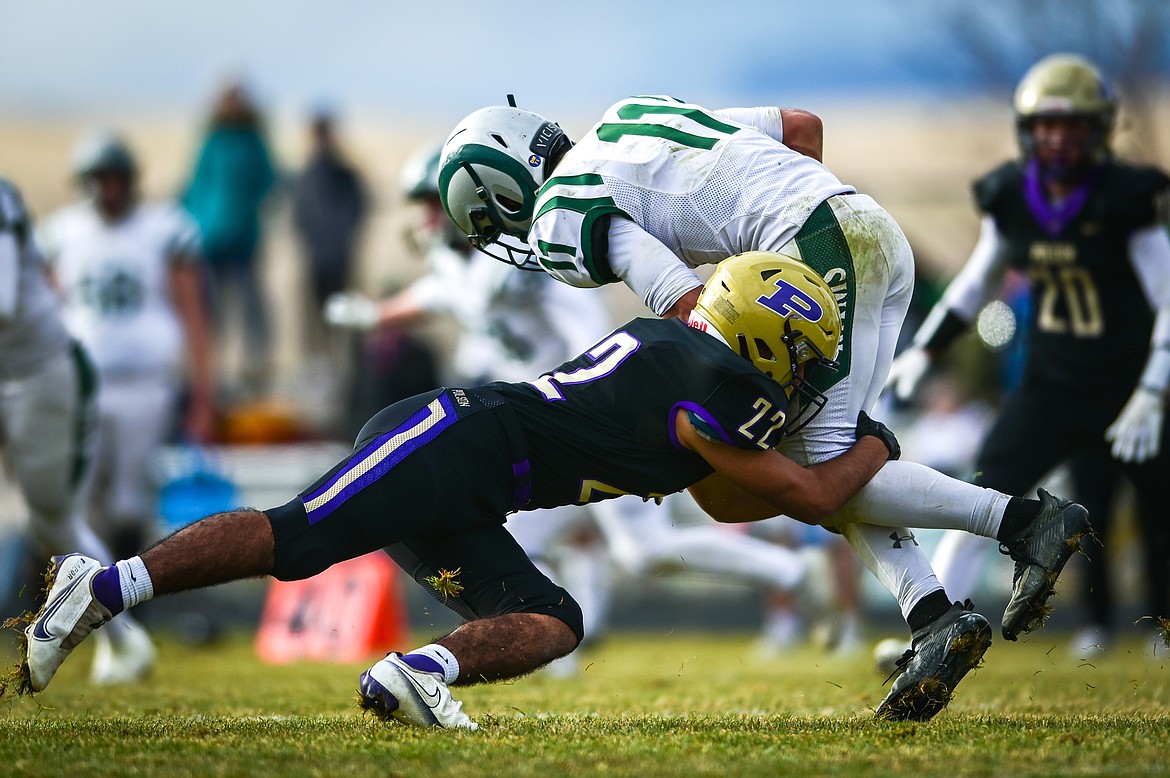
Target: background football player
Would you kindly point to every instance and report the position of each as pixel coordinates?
(131, 279)
(1090, 233)
(47, 414)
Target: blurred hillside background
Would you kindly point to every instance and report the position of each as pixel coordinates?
(915, 95)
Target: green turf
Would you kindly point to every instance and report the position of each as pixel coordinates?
(694, 705)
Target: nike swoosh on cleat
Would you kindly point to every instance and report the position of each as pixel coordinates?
(38, 631)
(431, 698)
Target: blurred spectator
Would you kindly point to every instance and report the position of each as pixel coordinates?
(329, 203)
(233, 175)
(130, 275)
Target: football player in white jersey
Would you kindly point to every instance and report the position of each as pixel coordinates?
(130, 276)
(47, 394)
(661, 186)
(519, 324)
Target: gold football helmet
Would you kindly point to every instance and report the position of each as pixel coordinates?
(1066, 85)
(779, 315)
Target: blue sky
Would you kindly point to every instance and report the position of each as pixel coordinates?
(437, 59)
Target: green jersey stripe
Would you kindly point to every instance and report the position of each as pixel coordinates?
(584, 179)
(823, 247)
(612, 133)
(549, 264)
(576, 204)
(555, 248)
(595, 243)
(636, 111)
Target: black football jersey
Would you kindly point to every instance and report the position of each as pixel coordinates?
(1090, 316)
(599, 426)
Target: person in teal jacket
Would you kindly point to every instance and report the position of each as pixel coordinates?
(232, 177)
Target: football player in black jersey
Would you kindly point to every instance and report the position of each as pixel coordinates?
(1090, 233)
(655, 407)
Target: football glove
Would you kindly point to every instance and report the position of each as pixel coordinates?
(867, 426)
(355, 311)
(907, 371)
(1136, 434)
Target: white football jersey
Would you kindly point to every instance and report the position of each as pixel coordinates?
(703, 185)
(115, 281)
(514, 324)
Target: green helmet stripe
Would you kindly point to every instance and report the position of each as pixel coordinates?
(478, 154)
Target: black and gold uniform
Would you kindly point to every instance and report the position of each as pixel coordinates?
(1088, 340)
(1091, 316)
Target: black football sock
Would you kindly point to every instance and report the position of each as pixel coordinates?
(1019, 512)
(928, 609)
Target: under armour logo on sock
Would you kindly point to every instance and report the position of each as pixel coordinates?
(899, 539)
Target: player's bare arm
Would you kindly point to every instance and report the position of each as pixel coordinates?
(804, 132)
(187, 292)
(684, 305)
(753, 485)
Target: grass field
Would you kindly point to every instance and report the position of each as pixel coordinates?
(693, 704)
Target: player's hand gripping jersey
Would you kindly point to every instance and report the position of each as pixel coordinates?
(596, 432)
(698, 184)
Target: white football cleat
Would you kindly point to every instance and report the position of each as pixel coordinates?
(71, 612)
(124, 657)
(394, 689)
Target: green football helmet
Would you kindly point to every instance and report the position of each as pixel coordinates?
(419, 179)
(1066, 85)
(492, 165)
(103, 152)
(778, 314)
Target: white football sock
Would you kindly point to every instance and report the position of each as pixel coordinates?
(907, 494)
(135, 581)
(895, 559)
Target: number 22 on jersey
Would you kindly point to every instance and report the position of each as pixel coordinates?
(609, 354)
